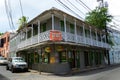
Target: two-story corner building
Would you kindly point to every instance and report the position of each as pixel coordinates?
(57, 42)
(4, 44)
(115, 49)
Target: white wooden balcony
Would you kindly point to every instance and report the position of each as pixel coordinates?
(69, 37)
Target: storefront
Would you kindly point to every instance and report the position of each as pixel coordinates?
(59, 58)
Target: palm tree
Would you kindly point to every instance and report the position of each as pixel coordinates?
(22, 22)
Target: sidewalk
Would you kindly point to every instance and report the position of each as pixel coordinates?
(86, 75)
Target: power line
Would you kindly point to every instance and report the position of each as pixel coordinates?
(83, 4)
(67, 8)
(21, 7)
(8, 16)
(116, 20)
(76, 7)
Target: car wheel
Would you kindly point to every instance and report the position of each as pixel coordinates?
(13, 70)
(7, 68)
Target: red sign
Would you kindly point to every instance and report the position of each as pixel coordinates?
(55, 35)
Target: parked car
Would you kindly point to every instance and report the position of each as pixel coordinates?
(16, 63)
(3, 61)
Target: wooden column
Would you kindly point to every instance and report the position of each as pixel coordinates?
(65, 28)
(53, 27)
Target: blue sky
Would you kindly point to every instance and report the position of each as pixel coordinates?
(32, 8)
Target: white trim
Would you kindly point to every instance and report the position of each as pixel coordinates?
(84, 33)
(31, 33)
(65, 28)
(75, 31)
(96, 37)
(53, 22)
(91, 36)
(38, 30)
(26, 36)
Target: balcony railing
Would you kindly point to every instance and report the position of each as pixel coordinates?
(69, 37)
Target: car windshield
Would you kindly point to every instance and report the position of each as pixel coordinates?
(2, 58)
(18, 60)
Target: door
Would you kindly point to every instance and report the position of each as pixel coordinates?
(73, 59)
(86, 58)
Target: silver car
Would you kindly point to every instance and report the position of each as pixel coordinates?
(3, 60)
(16, 63)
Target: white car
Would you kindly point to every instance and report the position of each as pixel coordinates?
(16, 63)
(3, 60)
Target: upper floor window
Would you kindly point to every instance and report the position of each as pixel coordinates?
(5, 40)
(99, 37)
(71, 28)
(62, 25)
(87, 33)
(35, 29)
(8, 38)
(93, 35)
(43, 27)
(29, 34)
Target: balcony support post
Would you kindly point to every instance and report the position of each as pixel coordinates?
(38, 30)
(53, 27)
(26, 33)
(105, 42)
(26, 36)
(65, 28)
(84, 33)
(101, 39)
(75, 31)
(31, 33)
(91, 36)
(96, 37)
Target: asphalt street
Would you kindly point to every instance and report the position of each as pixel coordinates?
(108, 73)
(3, 77)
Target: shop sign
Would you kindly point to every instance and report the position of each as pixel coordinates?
(52, 59)
(59, 48)
(55, 35)
(48, 49)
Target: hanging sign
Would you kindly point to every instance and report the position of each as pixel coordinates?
(55, 35)
(48, 49)
(59, 48)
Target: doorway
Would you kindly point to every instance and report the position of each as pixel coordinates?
(71, 58)
(86, 58)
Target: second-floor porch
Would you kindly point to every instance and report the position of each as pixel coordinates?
(71, 29)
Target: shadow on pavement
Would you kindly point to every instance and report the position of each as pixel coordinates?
(3, 77)
(89, 72)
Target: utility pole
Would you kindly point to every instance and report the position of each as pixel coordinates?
(102, 5)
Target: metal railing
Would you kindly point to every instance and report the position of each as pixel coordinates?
(69, 37)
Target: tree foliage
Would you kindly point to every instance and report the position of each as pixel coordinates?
(1, 34)
(99, 17)
(22, 22)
